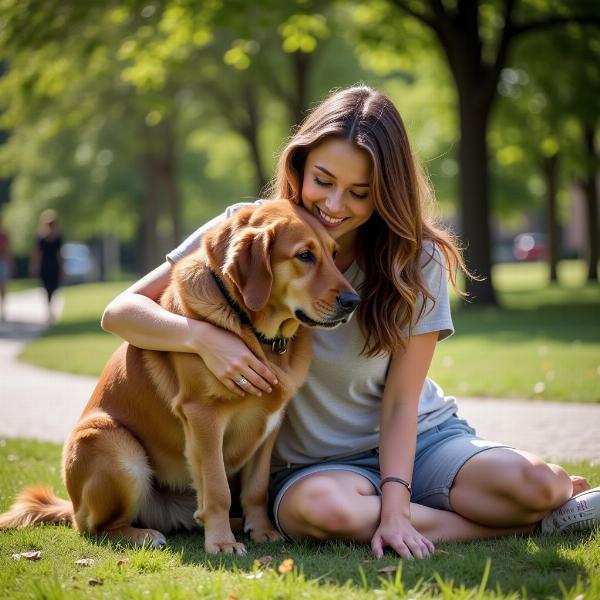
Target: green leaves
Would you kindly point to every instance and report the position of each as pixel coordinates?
(302, 32)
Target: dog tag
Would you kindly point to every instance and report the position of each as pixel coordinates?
(280, 346)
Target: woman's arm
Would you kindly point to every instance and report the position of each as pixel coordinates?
(136, 316)
(404, 383)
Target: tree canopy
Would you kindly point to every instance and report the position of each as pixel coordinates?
(142, 119)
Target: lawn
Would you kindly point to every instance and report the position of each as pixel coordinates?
(543, 343)
(18, 285)
(536, 567)
(77, 344)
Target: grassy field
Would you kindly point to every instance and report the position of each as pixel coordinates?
(18, 285)
(77, 344)
(566, 567)
(543, 343)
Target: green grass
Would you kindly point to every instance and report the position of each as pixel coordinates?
(18, 285)
(543, 343)
(534, 567)
(77, 344)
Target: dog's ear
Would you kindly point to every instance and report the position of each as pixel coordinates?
(248, 264)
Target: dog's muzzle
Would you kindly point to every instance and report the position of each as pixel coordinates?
(347, 302)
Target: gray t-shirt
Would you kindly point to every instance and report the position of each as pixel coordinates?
(336, 412)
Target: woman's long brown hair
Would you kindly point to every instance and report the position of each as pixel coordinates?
(390, 244)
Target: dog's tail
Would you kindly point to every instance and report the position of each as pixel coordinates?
(37, 505)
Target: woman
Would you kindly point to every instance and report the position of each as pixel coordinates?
(369, 428)
(46, 261)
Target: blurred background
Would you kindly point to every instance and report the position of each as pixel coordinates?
(138, 121)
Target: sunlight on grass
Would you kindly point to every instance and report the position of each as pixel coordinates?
(535, 275)
(543, 344)
(77, 343)
(19, 285)
(503, 569)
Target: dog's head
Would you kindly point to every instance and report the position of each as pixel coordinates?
(277, 261)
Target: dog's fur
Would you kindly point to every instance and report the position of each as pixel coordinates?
(159, 426)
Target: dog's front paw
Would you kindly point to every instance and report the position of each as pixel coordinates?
(225, 547)
(265, 535)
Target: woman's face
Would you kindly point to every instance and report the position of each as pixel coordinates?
(336, 188)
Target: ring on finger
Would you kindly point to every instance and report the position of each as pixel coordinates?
(242, 380)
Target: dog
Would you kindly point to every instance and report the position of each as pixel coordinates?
(157, 441)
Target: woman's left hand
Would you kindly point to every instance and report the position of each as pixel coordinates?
(402, 537)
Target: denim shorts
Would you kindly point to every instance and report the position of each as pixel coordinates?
(440, 453)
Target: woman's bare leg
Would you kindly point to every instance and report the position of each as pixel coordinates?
(344, 505)
(503, 487)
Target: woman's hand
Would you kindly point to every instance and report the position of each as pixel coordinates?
(232, 362)
(401, 536)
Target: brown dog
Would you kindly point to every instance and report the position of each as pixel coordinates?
(160, 426)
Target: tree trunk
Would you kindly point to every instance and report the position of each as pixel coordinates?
(149, 254)
(591, 201)
(474, 195)
(459, 35)
(550, 170)
(250, 132)
(171, 185)
(242, 112)
(457, 26)
(301, 69)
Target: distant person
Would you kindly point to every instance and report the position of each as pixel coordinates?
(46, 260)
(6, 266)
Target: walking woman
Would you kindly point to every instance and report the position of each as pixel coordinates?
(46, 261)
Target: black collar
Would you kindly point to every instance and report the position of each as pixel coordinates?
(278, 344)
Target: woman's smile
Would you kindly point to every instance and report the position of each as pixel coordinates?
(328, 220)
(336, 189)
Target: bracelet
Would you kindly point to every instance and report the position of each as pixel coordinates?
(405, 483)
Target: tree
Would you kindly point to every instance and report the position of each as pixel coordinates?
(542, 118)
(526, 140)
(476, 38)
(150, 63)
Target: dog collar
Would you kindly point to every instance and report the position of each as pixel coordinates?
(278, 344)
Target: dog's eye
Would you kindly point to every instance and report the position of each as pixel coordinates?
(334, 255)
(306, 256)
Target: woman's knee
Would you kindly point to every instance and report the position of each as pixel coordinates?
(512, 478)
(545, 486)
(326, 512)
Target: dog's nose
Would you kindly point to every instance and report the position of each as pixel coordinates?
(348, 301)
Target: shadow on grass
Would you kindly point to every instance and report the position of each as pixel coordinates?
(555, 322)
(25, 331)
(74, 328)
(564, 323)
(537, 564)
(19, 330)
(536, 567)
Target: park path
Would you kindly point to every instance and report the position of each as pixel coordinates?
(42, 404)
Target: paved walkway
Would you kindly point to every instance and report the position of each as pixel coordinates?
(42, 404)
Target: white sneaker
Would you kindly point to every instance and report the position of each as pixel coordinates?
(579, 513)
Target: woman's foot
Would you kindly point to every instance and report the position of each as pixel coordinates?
(580, 513)
(580, 484)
